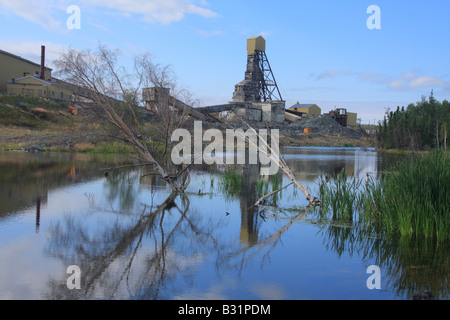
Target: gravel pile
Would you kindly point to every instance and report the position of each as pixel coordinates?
(324, 124)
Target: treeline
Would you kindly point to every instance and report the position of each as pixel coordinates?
(420, 126)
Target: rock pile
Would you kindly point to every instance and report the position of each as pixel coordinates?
(324, 124)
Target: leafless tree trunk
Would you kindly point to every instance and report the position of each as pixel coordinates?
(445, 140)
(116, 93)
(437, 133)
(277, 158)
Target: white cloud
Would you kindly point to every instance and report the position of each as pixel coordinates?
(34, 10)
(210, 33)
(334, 74)
(265, 33)
(165, 11)
(424, 82)
(410, 80)
(407, 80)
(31, 50)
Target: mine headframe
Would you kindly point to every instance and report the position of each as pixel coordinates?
(268, 88)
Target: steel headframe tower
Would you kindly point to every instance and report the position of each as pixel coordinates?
(259, 84)
(268, 86)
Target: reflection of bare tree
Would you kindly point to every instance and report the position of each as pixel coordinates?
(264, 245)
(142, 274)
(254, 212)
(122, 185)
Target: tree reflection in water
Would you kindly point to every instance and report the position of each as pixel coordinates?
(132, 261)
(406, 262)
(146, 255)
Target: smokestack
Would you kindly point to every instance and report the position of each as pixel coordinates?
(42, 62)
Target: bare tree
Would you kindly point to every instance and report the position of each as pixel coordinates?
(115, 94)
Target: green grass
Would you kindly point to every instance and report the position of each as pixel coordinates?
(10, 147)
(339, 196)
(27, 103)
(266, 185)
(31, 113)
(411, 198)
(10, 116)
(231, 181)
(348, 145)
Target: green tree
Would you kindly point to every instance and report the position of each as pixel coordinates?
(423, 125)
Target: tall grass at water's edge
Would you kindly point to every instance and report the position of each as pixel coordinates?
(411, 198)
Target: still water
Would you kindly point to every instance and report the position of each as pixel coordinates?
(132, 239)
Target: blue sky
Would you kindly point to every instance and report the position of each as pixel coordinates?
(320, 51)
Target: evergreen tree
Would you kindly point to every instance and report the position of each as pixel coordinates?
(423, 125)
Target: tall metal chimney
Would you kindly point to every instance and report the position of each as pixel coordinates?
(42, 63)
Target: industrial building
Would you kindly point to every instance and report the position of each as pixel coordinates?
(36, 87)
(12, 66)
(352, 119)
(308, 110)
(256, 98)
(344, 118)
(20, 76)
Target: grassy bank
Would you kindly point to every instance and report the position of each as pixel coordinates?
(411, 198)
(27, 121)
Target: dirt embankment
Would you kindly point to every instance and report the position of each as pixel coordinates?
(36, 128)
(32, 127)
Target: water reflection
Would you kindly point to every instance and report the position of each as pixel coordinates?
(123, 186)
(136, 240)
(27, 177)
(409, 264)
(38, 213)
(142, 250)
(247, 199)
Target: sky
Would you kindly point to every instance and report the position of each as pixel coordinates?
(336, 54)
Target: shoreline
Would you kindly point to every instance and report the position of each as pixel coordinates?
(20, 139)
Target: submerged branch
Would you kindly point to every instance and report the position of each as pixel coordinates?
(270, 194)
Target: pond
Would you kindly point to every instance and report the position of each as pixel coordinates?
(68, 230)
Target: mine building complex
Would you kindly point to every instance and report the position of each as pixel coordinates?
(256, 98)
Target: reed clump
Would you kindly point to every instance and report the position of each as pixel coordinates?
(231, 181)
(410, 198)
(338, 196)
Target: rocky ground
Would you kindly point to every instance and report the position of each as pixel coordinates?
(29, 140)
(59, 130)
(325, 131)
(326, 125)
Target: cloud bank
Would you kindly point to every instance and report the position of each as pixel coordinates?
(407, 80)
(163, 11)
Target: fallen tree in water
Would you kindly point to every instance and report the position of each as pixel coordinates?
(114, 95)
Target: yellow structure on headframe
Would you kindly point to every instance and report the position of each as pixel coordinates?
(255, 44)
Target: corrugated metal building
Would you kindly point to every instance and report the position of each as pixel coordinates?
(351, 119)
(311, 110)
(35, 87)
(23, 77)
(12, 66)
